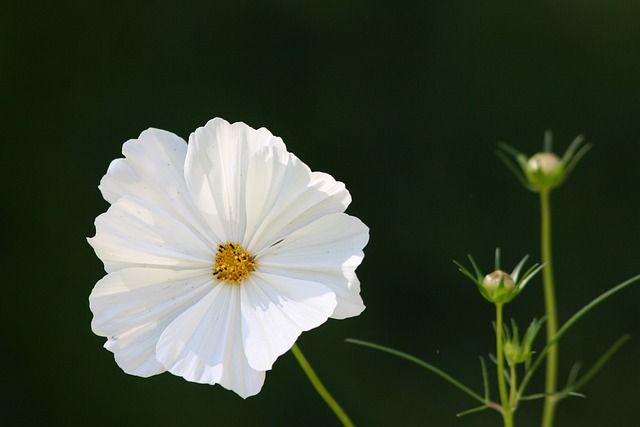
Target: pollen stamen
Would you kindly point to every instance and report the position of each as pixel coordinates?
(233, 263)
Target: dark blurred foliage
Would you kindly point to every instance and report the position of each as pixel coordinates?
(402, 101)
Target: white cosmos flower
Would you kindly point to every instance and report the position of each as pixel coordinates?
(219, 254)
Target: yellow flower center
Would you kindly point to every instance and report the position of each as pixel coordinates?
(233, 263)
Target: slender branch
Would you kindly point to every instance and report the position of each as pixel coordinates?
(599, 364)
(569, 323)
(513, 392)
(550, 309)
(320, 388)
(422, 363)
(584, 310)
(507, 415)
(485, 379)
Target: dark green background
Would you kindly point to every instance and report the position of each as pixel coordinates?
(404, 102)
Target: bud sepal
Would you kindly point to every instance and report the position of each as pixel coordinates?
(516, 351)
(499, 286)
(544, 170)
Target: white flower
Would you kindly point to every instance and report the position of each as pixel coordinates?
(219, 254)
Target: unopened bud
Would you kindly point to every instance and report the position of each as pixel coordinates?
(492, 281)
(514, 353)
(544, 170)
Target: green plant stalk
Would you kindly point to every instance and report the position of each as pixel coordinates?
(507, 414)
(550, 308)
(513, 393)
(320, 388)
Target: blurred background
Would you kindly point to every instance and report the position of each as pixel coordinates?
(405, 103)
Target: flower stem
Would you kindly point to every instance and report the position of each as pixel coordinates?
(507, 413)
(513, 393)
(550, 307)
(320, 388)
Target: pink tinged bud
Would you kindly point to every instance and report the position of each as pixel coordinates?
(544, 170)
(491, 281)
(545, 163)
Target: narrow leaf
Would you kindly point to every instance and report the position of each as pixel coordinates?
(600, 363)
(584, 310)
(543, 395)
(571, 164)
(475, 267)
(485, 378)
(568, 154)
(515, 169)
(419, 362)
(547, 145)
(474, 410)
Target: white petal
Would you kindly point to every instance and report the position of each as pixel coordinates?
(153, 171)
(216, 171)
(326, 251)
(204, 344)
(132, 307)
(276, 310)
(136, 233)
(154, 162)
(283, 195)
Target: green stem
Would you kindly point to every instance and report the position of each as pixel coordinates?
(320, 388)
(507, 414)
(551, 314)
(513, 393)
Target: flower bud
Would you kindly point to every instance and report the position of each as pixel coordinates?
(544, 170)
(516, 351)
(492, 281)
(511, 352)
(499, 287)
(491, 284)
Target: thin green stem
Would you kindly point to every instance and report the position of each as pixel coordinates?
(320, 388)
(551, 313)
(513, 393)
(507, 414)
